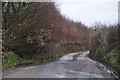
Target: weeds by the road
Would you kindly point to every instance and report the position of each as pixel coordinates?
(10, 59)
(112, 58)
(105, 45)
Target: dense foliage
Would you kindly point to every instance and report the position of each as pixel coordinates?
(105, 45)
(31, 28)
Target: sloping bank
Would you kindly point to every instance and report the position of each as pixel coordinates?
(105, 45)
(111, 58)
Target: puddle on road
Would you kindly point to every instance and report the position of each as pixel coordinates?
(90, 75)
(60, 76)
(30, 67)
(68, 57)
(86, 59)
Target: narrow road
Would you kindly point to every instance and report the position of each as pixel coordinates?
(74, 65)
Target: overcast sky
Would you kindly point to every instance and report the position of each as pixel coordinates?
(90, 11)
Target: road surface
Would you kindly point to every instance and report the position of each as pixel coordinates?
(65, 67)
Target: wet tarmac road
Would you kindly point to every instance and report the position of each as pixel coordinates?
(65, 67)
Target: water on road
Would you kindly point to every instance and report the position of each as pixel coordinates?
(65, 67)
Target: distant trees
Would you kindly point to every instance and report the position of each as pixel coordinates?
(72, 32)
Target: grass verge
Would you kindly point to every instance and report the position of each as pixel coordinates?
(10, 59)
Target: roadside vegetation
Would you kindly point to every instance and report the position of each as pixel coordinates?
(37, 32)
(105, 45)
(10, 59)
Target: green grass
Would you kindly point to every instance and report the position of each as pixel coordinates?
(112, 58)
(11, 59)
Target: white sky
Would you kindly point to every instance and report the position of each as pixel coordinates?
(90, 11)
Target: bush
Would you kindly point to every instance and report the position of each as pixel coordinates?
(104, 45)
(26, 30)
